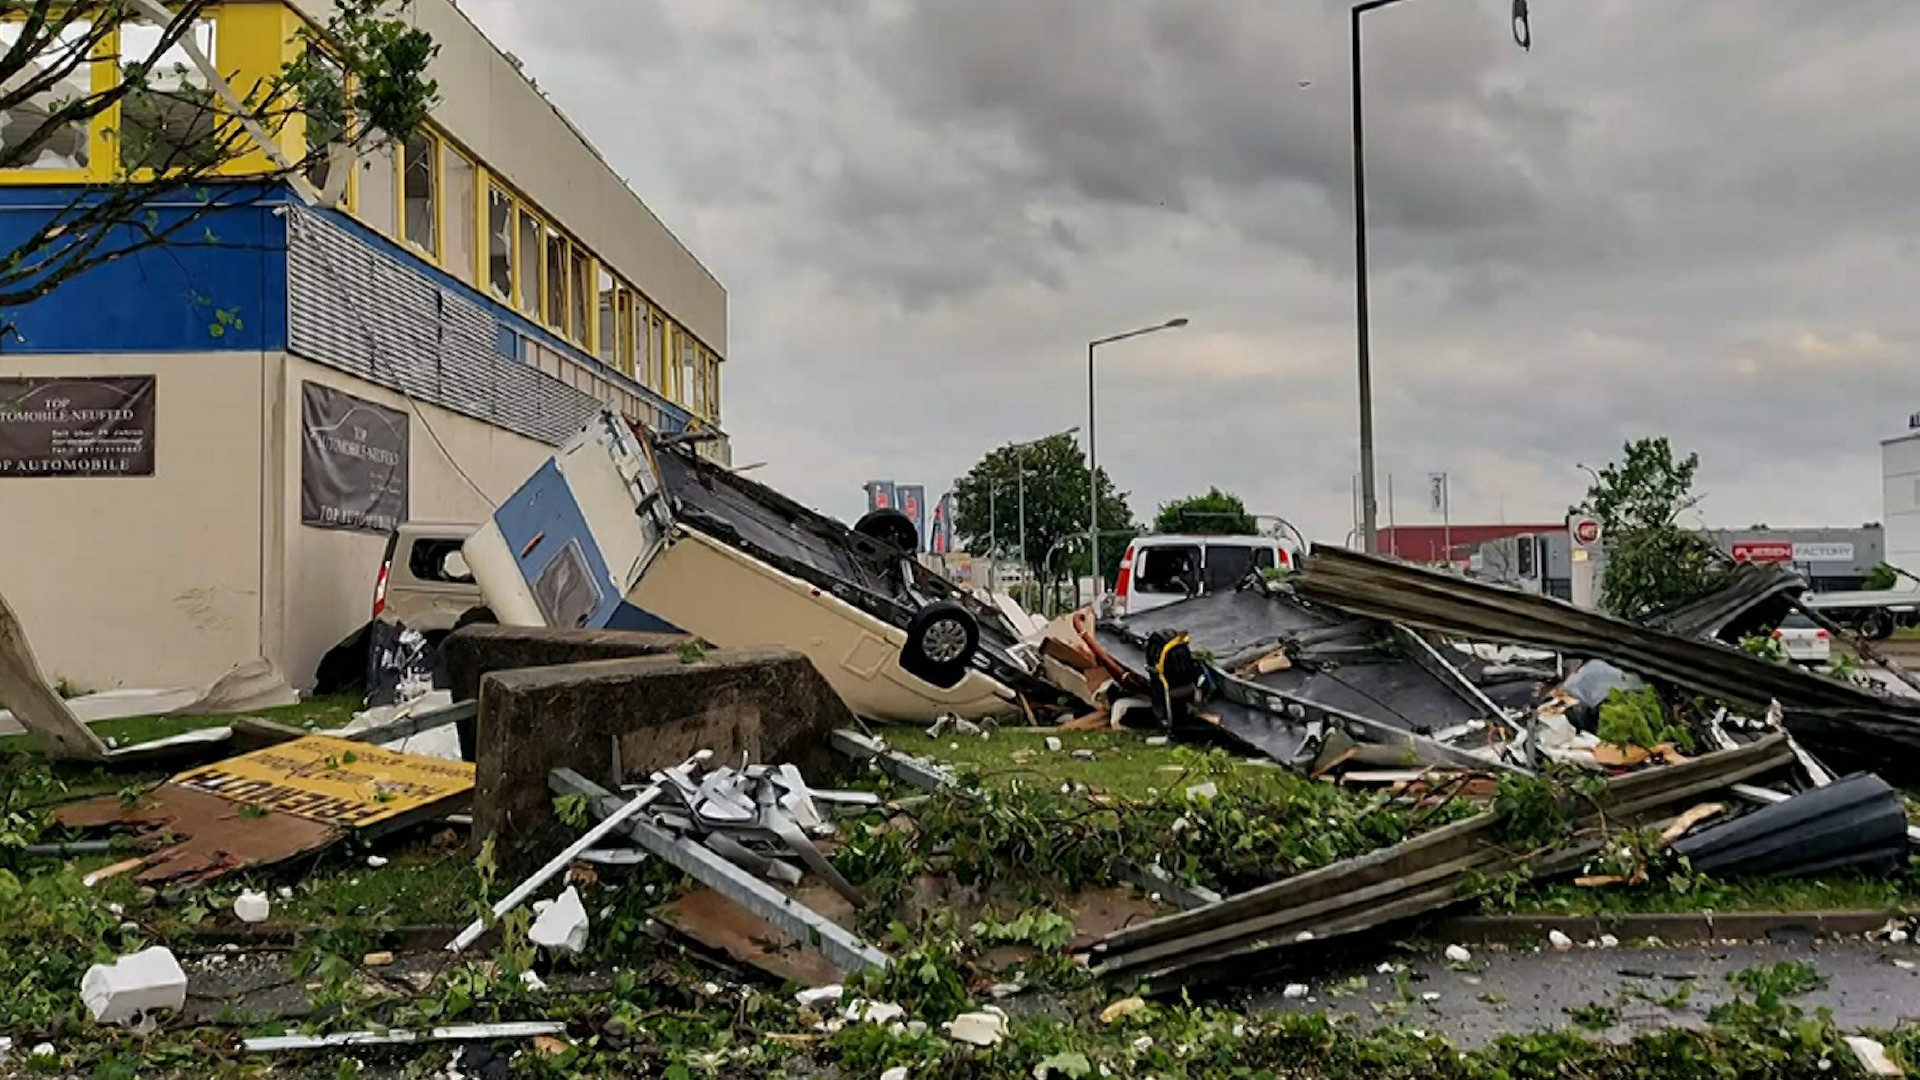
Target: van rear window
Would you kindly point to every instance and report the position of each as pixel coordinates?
(1171, 569)
(1229, 564)
(438, 561)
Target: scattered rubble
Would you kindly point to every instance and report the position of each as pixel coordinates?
(561, 924)
(134, 986)
(252, 907)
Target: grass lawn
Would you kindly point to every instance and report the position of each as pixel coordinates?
(1123, 763)
(323, 713)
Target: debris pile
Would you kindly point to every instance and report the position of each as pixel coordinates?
(761, 818)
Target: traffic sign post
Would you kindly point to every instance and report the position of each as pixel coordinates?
(1584, 531)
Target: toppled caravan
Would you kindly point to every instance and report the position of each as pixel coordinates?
(617, 531)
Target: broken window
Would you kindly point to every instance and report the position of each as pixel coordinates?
(623, 308)
(500, 244)
(683, 389)
(325, 109)
(439, 561)
(656, 348)
(1227, 564)
(463, 212)
(557, 281)
(531, 249)
(379, 186)
(167, 114)
(421, 199)
(27, 140)
(579, 277)
(608, 334)
(1169, 569)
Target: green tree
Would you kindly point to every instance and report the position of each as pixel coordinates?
(1215, 512)
(1651, 561)
(1882, 578)
(173, 132)
(1056, 496)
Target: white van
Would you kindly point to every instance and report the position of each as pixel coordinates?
(1163, 568)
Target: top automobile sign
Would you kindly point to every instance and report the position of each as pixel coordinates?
(1586, 531)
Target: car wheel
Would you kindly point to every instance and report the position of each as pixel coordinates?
(891, 527)
(941, 640)
(473, 616)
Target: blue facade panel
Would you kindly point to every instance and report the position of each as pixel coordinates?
(218, 283)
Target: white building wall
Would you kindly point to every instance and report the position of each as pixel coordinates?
(1900, 502)
(488, 104)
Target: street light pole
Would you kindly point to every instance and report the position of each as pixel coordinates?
(1369, 506)
(1026, 568)
(1093, 460)
(993, 536)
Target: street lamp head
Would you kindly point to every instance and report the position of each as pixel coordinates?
(1074, 430)
(1175, 324)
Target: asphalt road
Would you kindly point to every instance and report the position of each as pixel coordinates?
(1497, 993)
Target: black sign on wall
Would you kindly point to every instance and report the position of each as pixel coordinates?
(86, 426)
(353, 462)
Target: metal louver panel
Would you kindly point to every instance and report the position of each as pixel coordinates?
(366, 313)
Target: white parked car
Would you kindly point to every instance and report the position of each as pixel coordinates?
(1165, 568)
(1803, 640)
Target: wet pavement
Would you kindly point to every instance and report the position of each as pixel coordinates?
(1617, 991)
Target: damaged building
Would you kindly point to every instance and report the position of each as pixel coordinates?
(409, 347)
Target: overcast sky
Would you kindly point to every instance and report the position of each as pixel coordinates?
(1695, 219)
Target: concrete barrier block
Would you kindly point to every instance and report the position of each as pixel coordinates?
(471, 653)
(757, 705)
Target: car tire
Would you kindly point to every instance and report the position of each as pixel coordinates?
(941, 640)
(1876, 627)
(890, 527)
(474, 616)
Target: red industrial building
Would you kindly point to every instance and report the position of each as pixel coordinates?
(1428, 543)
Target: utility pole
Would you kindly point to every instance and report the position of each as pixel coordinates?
(1523, 37)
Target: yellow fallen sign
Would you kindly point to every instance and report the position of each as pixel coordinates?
(333, 781)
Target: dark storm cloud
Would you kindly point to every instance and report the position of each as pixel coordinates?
(1669, 218)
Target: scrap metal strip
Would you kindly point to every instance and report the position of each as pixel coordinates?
(609, 822)
(408, 727)
(907, 770)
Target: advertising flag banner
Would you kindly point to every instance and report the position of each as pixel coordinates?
(913, 503)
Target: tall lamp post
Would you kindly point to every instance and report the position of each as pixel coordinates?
(1093, 461)
(1369, 507)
